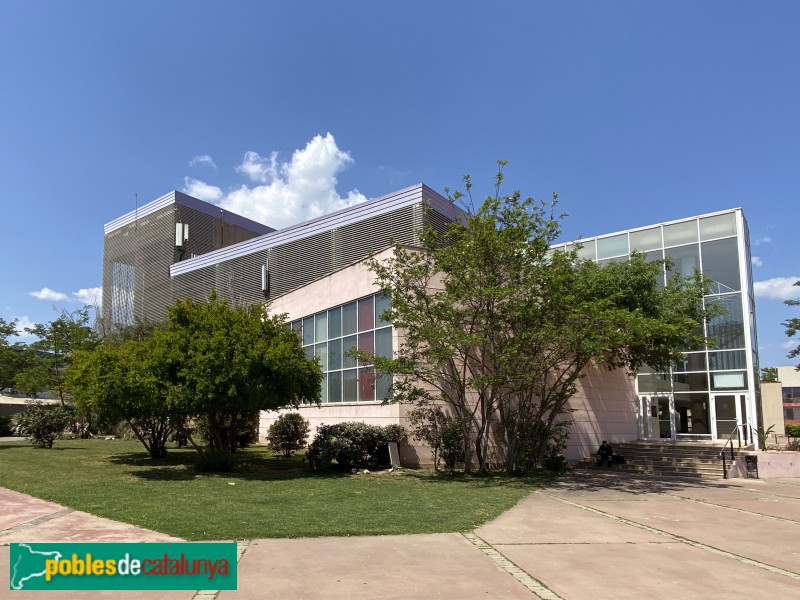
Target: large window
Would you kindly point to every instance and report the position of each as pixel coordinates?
(332, 334)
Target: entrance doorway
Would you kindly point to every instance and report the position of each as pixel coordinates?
(658, 417)
(730, 411)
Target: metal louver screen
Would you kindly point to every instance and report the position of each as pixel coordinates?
(300, 262)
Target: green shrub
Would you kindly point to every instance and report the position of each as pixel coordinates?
(793, 429)
(42, 423)
(216, 461)
(350, 444)
(236, 430)
(288, 433)
(5, 426)
(443, 432)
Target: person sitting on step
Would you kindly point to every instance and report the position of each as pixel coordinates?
(604, 454)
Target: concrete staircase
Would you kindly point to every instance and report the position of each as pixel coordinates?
(676, 459)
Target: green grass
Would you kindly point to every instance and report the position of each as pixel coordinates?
(269, 496)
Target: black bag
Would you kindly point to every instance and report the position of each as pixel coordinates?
(617, 460)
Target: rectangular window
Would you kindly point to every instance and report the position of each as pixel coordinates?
(729, 381)
(349, 319)
(645, 240)
(678, 234)
(334, 323)
(332, 334)
(366, 314)
(382, 304)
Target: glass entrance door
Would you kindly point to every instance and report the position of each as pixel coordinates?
(657, 417)
(726, 415)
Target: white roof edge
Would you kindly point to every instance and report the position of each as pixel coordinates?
(352, 214)
(642, 228)
(176, 197)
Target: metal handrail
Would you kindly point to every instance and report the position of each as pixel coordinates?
(725, 445)
(753, 438)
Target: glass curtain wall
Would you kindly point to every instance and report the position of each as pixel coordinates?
(718, 246)
(332, 334)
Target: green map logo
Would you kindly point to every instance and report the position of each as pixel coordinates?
(123, 566)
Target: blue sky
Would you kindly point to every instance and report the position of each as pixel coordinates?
(634, 112)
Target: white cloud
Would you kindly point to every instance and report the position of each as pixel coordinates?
(789, 344)
(23, 322)
(777, 288)
(203, 160)
(294, 191)
(92, 296)
(47, 294)
(757, 262)
(258, 168)
(762, 240)
(201, 189)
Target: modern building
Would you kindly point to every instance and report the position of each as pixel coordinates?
(316, 273)
(709, 394)
(789, 378)
(141, 246)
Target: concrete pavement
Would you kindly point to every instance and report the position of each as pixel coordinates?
(591, 535)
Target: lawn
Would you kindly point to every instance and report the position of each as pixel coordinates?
(270, 496)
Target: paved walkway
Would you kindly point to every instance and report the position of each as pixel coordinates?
(589, 535)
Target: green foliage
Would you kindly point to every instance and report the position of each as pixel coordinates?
(53, 353)
(227, 363)
(763, 436)
(793, 429)
(351, 444)
(499, 327)
(288, 433)
(127, 381)
(42, 423)
(10, 355)
(769, 374)
(792, 327)
(5, 426)
(442, 432)
(236, 429)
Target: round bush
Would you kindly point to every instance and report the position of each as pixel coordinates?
(288, 434)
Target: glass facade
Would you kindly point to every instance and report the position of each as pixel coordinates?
(710, 392)
(332, 334)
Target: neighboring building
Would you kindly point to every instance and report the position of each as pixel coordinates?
(789, 378)
(316, 273)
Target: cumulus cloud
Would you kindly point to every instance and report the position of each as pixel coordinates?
(286, 192)
(259, 168)
(201, 189)
(778, 288)
(789, 345)
(92, 296)
(23, 322)
(47, 294)
(757, 262)
(203, 160)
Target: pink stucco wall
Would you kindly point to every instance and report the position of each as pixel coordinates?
(604, 408)
(770, 464)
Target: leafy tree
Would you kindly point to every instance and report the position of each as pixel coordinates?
(128, 381)
(769, 374)
(792, 327)
(499, 327)
(9, 354)
(225, 363)
(58, 341)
